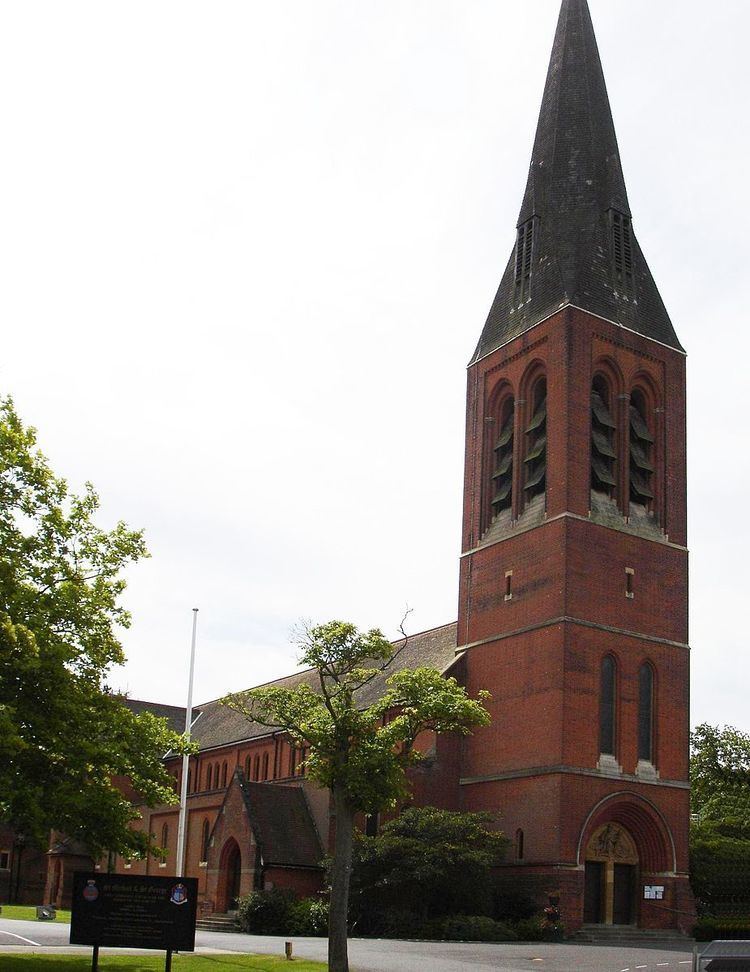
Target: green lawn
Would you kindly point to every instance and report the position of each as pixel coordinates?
(28, 913)
(155, 963)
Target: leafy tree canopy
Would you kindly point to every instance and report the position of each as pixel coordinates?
(720, 778)
(359, 751)
(64, 736)
(428, 862)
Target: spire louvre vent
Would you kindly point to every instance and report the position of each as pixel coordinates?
(622, 248)
(524, 256)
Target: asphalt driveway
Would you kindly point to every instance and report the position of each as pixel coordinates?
(376, 955)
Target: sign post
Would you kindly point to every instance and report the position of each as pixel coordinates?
(127, 911)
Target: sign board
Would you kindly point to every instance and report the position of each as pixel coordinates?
(127, 911)
(653, 892)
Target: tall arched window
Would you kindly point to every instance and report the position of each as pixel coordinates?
(535, 459)
(205, 834)
(247, 767)
(265, 766)
(641, 451)
(607, 706)
(224, 774)
(164, 843)
(646, 713)
(501, 488)
(256, 768)
(603, 452)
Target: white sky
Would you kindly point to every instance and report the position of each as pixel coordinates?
(247, 249)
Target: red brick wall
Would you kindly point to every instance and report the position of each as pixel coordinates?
(540, 652)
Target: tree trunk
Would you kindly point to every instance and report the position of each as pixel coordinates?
(338, 957)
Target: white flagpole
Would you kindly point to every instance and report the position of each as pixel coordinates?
(186, 758)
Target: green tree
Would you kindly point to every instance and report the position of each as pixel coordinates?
(64, 736)
(359, 752)
(720, 827)
(720, 775)
(427, 863)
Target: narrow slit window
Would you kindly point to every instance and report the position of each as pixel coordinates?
(519, 845)
(164, 843)
(607, 702)
(509, 585)
(629, 583)
(205, 833)
(646, 714)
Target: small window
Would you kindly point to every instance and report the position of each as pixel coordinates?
(4, 860)
(371, 825)
(164, 844)
(509, 585)
(205, 834)
(629, 583)
(519, 845)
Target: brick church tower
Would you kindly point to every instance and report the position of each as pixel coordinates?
(573, 591)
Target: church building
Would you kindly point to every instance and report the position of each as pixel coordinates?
(573, 579)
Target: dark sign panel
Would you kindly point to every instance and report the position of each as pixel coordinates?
(120, 910)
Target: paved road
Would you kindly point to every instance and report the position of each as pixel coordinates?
(369, 955)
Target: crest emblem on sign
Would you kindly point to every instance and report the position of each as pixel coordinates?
(179, 894)
(91, 892)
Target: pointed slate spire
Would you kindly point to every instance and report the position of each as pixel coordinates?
(575, 243)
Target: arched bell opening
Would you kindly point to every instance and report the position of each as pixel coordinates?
(604, 470)
(230, 875)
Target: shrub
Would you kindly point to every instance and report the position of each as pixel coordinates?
(309, 918)
(708, 928)
(530, 929)
(475, 928)
(512, 905)
(266, 912)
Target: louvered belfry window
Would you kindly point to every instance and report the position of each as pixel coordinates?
(622, 248)
(641, 453)
(535, 460)
(524, 253)
(502, 476)
(603, 452)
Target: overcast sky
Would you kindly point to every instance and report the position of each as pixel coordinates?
(247, 249)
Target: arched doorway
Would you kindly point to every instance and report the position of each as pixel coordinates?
(611, 877)
(230, 875)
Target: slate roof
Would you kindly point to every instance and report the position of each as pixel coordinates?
(174, 714)
(575, 180)
(221, 726)
(283, 824)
